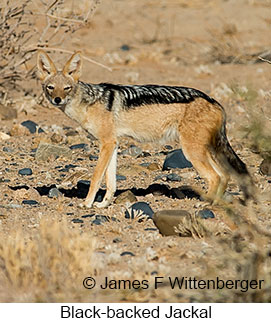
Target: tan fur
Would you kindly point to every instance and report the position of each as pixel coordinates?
(196, 124)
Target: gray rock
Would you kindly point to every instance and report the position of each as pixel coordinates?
(166, 220)
(25, 171)
(32, 126)
(205, 214)
(77, 221)
(132, 151)
(176, 159)
(54, 192)
(121, 178)
(79, 146)
(46, 151)
(30, 202)
(173, 177)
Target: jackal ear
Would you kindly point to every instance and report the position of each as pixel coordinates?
(45, 65)
(73, 66)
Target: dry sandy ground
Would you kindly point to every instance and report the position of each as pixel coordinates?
(210, 45)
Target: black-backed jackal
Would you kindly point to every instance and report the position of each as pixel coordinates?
(151, 113)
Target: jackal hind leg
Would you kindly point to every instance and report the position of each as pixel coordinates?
(198, 156)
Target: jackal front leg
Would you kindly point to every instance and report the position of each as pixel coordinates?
(110, 177)
(108, 150)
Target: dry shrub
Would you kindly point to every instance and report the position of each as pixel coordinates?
(28, 25)
(192, 226)
(46, 266)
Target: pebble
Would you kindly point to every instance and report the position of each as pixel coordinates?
(46, 150)
(54, 192)
(4, 136)
(30, 202)
(77, 221)
(116, 240)
(32, 126)
(87, 216)
(125, 197)
(176, 159)
(125, 47)
(8, 150)
(100, 219)
(133, 151)
(173, 177)
(25, 171)
(121, 178)
(127, 253)
(265, 167)
(79, 146)
(143, 206)
(7, 112)
(93, 157)
(166, 220)
(205, 214)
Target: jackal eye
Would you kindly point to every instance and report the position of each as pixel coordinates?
(67, 88)
(50, 87)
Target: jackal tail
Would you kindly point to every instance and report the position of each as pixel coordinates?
(234, 165)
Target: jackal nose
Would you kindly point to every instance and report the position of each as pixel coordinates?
(57, 100)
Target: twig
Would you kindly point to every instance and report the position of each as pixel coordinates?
(264, 60)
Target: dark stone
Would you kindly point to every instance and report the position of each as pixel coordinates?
(143, 206)
(87, 216)
(30, 202)
(64, 170)
(8, 150)
(117, 240)
(121, 178)
(93, 157)
(70, 166)
(150, 229)
(265, 167)
(125, 47)
(78, 146)
(77, 221)
(166, 220)
(100, 219)
(32, 126)
(127, 253)
(176, 159)
(25, 171)
(205, 214)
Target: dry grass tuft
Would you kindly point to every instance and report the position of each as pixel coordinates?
(46, 266)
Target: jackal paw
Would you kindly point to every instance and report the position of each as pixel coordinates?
(85, 205)
(102, 204)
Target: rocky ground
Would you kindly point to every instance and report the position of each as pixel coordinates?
(47, 161)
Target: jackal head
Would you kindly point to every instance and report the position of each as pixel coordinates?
(59, 86)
